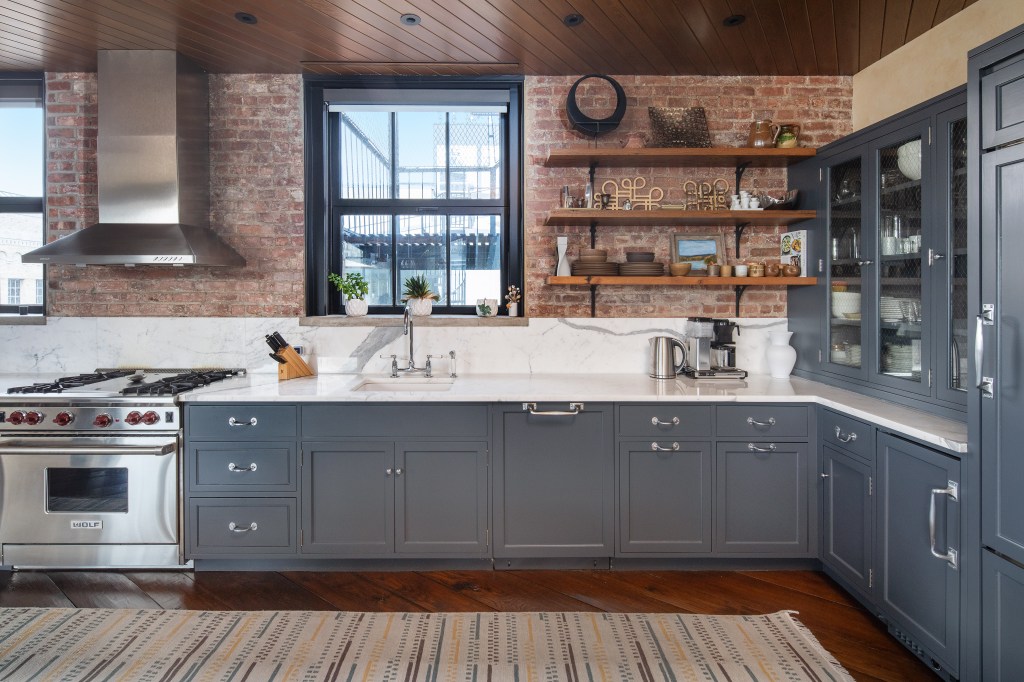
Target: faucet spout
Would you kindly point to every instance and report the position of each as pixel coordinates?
(407, 320)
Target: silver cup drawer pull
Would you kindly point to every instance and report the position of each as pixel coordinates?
(672, 448)
(754, 422)
(234, 468)
(574, 409)
(845, 438)
(672, 422)
(238, 528)
(756, 448)
(234, 422)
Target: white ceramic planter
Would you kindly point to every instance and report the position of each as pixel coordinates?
(490, 303)
(356, 307)
(420, 307)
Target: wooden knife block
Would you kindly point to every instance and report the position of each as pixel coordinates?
(293, 367)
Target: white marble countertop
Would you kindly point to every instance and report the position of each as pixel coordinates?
(547, 388)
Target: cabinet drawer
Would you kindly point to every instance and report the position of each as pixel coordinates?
(245, 526)
(240, 422)
(659, 420)
(219, 466)
(762, 421)
(394, 421)
(850, 434)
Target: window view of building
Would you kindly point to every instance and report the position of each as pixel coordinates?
(22, 155)
(418, 184)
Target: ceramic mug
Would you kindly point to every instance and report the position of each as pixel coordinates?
(726, 271)
(739, 270)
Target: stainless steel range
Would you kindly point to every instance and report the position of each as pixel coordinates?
(90, 468)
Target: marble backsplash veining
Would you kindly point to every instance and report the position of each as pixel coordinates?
(545, 346)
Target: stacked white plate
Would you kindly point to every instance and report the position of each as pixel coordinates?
(898, 359)
(889, 309)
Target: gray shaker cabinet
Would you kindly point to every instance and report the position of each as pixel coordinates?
(1003, 625)
(664, 496)
(376, 498)
(918, 532)
(847, 518)
(761, 499)
(553, 480)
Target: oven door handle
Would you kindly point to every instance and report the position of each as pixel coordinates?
(157, 451)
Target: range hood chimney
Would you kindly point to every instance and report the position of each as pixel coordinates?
(153, 170)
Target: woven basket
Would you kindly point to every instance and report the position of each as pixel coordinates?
(679, 127)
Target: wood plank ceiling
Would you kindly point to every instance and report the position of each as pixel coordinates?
(667, 37)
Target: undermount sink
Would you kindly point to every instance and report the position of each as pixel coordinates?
(405, 384)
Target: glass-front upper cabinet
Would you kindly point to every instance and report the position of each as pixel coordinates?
(890, 316)
(899, 315)
(845, 275)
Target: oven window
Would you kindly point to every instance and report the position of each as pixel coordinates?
(87, 490)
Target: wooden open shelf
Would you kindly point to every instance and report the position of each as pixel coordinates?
(597, 280)
(677, 156)
(662, 217)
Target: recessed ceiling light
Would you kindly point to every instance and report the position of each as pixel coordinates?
(733, 20)
(572, 20)
(246, 18)
(410, 19)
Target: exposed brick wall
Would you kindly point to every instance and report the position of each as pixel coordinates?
(257, 194)
(256, 205)
(821, 104)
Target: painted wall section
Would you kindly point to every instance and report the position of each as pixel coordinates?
(932, 63)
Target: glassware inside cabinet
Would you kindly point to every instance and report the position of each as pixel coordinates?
(845, 277)
(900, 311)
(957, 250)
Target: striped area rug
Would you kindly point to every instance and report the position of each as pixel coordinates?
(91, 645)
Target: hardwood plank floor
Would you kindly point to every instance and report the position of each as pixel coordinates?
(856, 638)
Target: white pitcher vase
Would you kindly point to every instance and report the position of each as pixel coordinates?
(780, 355)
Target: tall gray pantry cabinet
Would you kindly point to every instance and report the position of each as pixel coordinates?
(996, 409)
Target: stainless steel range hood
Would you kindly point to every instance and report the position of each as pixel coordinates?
(153, 170)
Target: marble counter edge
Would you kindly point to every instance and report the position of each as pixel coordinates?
(945, 433)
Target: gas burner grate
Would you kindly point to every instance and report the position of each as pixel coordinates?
(179, 383)
(67, 383)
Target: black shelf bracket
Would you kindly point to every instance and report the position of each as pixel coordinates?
(593, 167)
(739, 233)
(740, 288)
(593, 234)
(739, 175)
(593, 300)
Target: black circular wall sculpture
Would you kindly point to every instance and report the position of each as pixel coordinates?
(595, 126)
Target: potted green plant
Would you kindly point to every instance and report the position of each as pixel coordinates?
(353, 288)
(418, 296)
(713, 268)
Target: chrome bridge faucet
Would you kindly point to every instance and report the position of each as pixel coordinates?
(427, 370)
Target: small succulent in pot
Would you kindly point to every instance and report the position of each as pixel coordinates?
(418, 296)
(353, 288)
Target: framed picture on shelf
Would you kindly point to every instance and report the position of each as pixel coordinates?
(695, 248)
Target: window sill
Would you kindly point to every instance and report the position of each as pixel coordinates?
(425, 321)
(22, 319)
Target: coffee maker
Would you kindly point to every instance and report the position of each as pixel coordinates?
(723, 347)
(703, 354)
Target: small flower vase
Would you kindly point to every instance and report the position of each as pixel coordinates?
(780, 355)
(355, 307)
(513, 309)
(420, 307)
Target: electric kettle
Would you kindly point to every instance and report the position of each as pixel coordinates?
(663, 357)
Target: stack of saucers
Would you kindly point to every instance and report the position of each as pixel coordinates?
(594, 262)
(898, 359)
(889, 309)
(642, 269)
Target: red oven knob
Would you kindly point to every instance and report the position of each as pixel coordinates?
(63, 418)
(102, 420)
(134, 417)
(150, 418)
(33, 418)
(16, 417)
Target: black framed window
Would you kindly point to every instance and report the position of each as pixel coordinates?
(22, 191)
(411, 177)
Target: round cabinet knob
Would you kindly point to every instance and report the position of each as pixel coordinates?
(33, 418)
(134, 417)
(16, 417)
(63, 418)
(102, 420)
(150, 418)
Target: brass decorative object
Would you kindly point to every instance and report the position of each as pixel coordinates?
(630, 190)
(706, 196)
